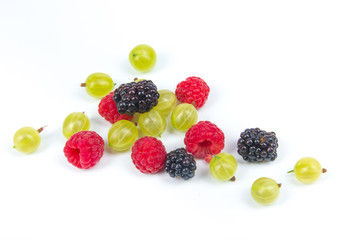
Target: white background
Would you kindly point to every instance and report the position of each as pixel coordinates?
(285, 66)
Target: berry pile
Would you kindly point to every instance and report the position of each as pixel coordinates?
(138, 107)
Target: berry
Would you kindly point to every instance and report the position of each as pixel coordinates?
(75, 122)
(148, 155)
(142, 58)
(122, 135)
(257, 145)
(107, 109)
(265, 190)
(98, 85)
(152, 123)
(204, 138)
(27, 139)
(135, 97)
(179, 163)
(184, 116)
(84, 149)
(166, 102)
(308, 170)
(193, 90)
(223, 166)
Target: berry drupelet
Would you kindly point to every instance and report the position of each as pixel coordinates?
(257, 145)
(181, 164)
(134, 97)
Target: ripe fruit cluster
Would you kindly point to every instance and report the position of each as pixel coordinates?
(138, 107)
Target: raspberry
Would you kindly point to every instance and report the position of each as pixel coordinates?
(148, 155)
(204, 138)
(180, 163)
(256, 145)
(193, 90)
(134, 97)
(107, 109)
(84, 149)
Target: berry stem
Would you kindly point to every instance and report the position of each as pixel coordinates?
(82, 84)
(233, 179)
(279, 184)
(290, 171)
(41, 129)
(324, 170)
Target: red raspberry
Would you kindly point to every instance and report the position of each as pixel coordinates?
(204, 138)
(193, 90)
(107, 109)
(84, 149)
(148, 155)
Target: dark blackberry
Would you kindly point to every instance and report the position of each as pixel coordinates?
(180, 163)
(257, 145)
(134, 97)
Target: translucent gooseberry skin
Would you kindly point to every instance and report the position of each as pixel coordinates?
(152, 123)
(308, 170)
(265, 190)
(184, 116)
(142, 58)
(98, 85)
(75, 122)
(122, 135)
(26, 140)
(223, 166)
(166, 102)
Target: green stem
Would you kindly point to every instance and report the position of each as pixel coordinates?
(290, 171)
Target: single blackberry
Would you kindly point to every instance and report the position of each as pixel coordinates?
(180, 163)
(257, 145)
(134, 97)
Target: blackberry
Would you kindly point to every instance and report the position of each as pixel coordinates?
(257, 145)
(180, 163)
(134, 97)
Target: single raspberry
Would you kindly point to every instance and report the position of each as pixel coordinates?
(204, 138)
(84, 149)
(148, 155)
(193, 90)
(107, 109)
